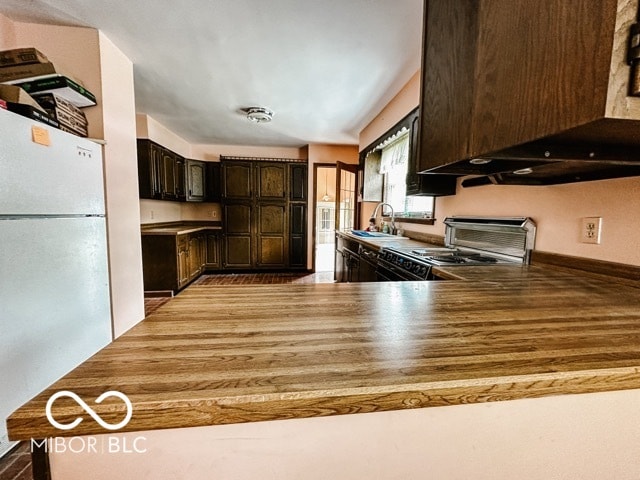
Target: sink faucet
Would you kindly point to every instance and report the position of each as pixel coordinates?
(375, 214)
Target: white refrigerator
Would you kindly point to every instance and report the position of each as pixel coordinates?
(54, 282)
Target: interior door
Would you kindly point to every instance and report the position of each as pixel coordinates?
(346, 196)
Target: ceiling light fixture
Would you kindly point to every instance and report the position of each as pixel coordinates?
(258, 114)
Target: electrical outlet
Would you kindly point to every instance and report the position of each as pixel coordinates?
(151, 214)
(591, 229)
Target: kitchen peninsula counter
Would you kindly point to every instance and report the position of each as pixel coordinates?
(179, 228)
(222, 355)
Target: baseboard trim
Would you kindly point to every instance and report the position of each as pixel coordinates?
(158, 293)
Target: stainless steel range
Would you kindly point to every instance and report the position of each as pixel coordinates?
(468, 241)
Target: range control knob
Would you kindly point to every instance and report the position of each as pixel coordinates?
(408, 266)
(423, 271)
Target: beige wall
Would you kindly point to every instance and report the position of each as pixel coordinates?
(212, 153)
(405, 100)
(147, 127)
(588, 437)
(86, 55)
(7, 33)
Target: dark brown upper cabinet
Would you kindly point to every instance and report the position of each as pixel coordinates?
(298, 183)
(165, 175)
(149, 155)
(168, 175)
(180, 177)
(510, 85)
(213, 182)
(196, 176)
(271, 181)
(237, 180)
(417, 184)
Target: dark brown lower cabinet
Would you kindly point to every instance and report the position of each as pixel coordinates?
(212, 258)
(298, 235)
(183, 262)
(238, 251)
(271, 238)
(171, 262)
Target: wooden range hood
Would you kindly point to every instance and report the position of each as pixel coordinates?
(529, 86)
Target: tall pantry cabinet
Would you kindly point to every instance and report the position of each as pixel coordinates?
(264, 204)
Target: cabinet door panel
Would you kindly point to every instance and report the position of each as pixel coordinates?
(213, 183)
(298, 251)
(448, 73)
(195, 181)
(195, 256)
(297, 219)
(236, 180)
(271, 219)
(543, 86)
(237, 251)
(271, 235)
(149, 160)
(413, 179)
(212, 253)
(271, 251)
(298, 237)
(271, 180)
(180, 176)
(183, 261)
(298, 183)
(168, 175)
(237, 219)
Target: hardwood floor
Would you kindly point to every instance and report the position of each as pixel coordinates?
(263, 278)
(16, 465)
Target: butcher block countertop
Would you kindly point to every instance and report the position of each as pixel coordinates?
(228, 354)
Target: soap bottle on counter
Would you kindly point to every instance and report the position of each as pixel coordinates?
(385, 227)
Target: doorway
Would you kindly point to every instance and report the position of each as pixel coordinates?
(325, 214)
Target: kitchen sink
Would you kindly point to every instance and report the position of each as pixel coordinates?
(364, 233)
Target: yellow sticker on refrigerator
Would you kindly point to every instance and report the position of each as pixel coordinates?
(40, 135)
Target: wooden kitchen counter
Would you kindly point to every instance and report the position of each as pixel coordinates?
(178, 229)
(229, 354)
(387, 241)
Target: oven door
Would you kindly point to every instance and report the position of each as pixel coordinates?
(389, 273)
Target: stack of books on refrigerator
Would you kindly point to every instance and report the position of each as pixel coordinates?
(60, 97)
